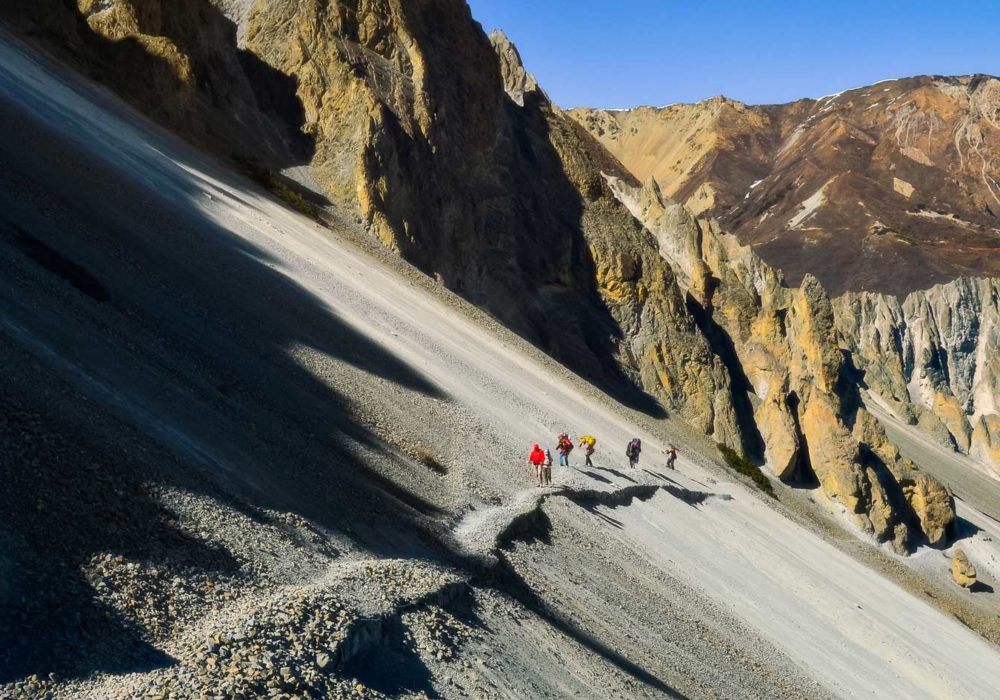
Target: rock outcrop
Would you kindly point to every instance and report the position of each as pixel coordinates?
(441, 144)
(933, 358)
(178, 62)
(900, 175)
(963, 571)
(444, 145)
(783, 348)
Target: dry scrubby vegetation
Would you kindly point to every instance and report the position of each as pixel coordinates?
(273, 184)
(425, 456)
(741, 464)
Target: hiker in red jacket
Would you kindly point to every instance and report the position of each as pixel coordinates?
(537, 459)
(565, 447)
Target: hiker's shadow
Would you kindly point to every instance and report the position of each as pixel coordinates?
(658, 475)
(614, 522)
(617, 473)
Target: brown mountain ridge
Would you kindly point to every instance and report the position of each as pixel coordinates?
(891, 188)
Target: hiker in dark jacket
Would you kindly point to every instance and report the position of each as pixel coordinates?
(632, 452)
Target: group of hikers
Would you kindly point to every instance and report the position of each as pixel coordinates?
(541, 459)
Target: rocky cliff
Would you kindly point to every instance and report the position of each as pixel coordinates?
(782, 347)
(443, 146)
(933, 357)
(902, 175)
(449, 153)
(179, 62)
(440, 142)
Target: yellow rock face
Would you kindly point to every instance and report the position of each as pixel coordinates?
(832, 452)
(818, 358)
(946, 408)
(869, 432)
(780, 435)
(702, 200)
(788, 346)
(117, 19)
(902, 187)
(986, 441)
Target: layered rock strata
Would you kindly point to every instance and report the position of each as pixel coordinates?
(899, 175)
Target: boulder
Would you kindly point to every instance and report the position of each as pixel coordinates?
(963, 571)
(933, 505)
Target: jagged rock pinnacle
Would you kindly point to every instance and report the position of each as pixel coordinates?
(517, 81)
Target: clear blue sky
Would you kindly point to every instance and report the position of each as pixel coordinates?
(622, 53)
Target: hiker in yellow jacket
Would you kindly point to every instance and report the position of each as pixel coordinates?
(588, 443)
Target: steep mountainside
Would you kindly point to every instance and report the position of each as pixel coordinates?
(444, 147)
(246, 455)
(501, 201)
(256, 453)
(499, 197)
(900, 177)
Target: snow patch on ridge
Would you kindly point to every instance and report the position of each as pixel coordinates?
(810, 205)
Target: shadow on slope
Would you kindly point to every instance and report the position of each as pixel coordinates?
(178, 375)
(485, 203)
(507, 580)
(536, 527)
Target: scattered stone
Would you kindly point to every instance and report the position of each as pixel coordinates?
(963, 570)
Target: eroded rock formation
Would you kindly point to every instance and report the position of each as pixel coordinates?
(783, 346)
(934, 358)
(963, 571)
